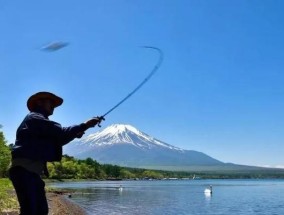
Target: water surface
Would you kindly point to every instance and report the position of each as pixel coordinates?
(242, 197)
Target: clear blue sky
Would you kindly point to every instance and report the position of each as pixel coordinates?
(219, 90)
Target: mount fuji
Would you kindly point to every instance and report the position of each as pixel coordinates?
(125, 145)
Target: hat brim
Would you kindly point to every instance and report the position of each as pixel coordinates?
(32, 101)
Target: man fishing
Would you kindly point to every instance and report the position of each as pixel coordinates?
(38, 141)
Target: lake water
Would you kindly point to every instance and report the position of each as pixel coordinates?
(178, 197)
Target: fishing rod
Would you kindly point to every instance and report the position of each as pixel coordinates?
(153, 71)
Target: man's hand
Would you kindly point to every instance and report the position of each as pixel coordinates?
(92, 122)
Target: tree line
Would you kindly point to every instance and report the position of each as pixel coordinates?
(5, 156)
(72, 168)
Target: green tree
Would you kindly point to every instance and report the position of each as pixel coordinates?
(99, 173)
(152, 174)
(112, 171)
(5, 156)
(126, 174)
(55, 170)
(86, 171)
(69, 169)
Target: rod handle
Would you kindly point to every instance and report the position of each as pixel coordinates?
(101, 118)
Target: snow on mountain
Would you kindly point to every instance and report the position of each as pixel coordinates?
(127, 146)
(125, 134)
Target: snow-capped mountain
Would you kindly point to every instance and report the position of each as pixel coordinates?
(125, 145)
(125, 134)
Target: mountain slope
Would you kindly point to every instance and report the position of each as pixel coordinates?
(127, 146)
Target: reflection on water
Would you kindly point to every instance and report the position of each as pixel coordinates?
(243, 197)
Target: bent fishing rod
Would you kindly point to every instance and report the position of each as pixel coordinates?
(153, 71)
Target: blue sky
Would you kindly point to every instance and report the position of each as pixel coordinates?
(219, 90)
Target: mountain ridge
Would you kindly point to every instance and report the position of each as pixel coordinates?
(124, 145)
(123, 133)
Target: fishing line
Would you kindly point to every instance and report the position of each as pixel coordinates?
(153, 71)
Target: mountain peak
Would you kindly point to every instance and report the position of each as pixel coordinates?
(125, 134)
(125, 145)
(120, 128)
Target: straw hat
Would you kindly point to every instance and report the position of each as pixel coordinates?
(31, 103)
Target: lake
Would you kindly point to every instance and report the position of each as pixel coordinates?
(178, 197)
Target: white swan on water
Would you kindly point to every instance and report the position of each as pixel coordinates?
(209, 190)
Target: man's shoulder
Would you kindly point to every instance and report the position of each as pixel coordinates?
(39, 118)
(35, 115)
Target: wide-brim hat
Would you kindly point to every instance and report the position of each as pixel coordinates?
(56, 100)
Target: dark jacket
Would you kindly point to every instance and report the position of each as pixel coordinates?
(38, 138)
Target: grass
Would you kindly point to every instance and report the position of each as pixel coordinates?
(8, 199)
